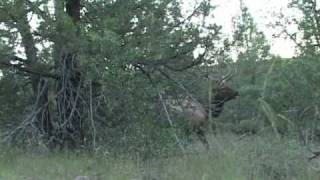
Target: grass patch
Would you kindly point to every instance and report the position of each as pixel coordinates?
(230, 158)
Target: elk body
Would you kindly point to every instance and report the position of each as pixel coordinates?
(198, 115)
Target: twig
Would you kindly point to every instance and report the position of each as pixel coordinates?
(92, 120)
(164, 107)
(170, 122)
(180, 85)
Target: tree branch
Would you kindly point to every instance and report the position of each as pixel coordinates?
(198, 61)
(27, 69)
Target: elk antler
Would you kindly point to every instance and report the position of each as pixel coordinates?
(220, 80)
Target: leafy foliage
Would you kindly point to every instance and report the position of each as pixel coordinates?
(127, 52)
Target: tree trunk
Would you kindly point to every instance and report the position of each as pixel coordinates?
(69, 132)
(39, 84)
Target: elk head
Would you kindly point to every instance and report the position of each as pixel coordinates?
(222, 93)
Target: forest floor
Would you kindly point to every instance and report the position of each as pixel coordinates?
(230, 158)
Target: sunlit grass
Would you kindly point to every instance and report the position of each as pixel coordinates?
(230, 158)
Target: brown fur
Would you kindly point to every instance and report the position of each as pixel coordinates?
(197, 115)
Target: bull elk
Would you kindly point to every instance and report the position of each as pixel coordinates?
(197, 113)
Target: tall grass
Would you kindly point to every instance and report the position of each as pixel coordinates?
(230, 158)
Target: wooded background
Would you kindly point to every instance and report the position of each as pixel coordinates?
(87, 74)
